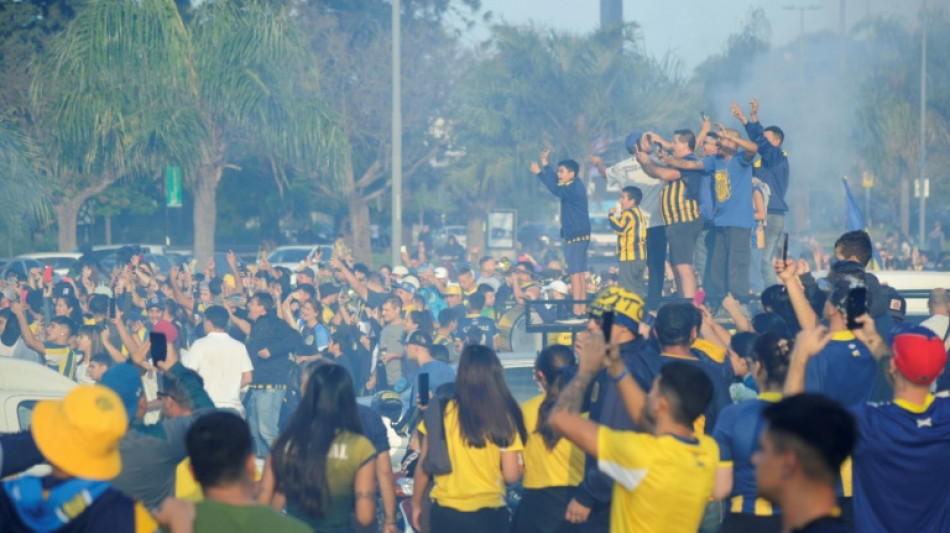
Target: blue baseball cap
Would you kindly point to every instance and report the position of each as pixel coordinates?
(633, 139)
(125, 381)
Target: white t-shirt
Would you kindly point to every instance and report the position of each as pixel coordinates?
(938, 324)
(220, 360)
(630, 172)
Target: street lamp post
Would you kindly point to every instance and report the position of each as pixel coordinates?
(396, 241)
(922, 211)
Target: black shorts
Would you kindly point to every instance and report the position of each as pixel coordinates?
(682, 239)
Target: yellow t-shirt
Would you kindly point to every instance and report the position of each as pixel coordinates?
(476, 481)
(561, 467)
(661, 484)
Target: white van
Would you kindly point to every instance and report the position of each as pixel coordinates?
(22, 385)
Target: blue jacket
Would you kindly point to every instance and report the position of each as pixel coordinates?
(774, 169)
(575, 215)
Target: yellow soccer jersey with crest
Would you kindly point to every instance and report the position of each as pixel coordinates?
(661, 483)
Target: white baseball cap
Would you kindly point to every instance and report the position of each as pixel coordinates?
(558, 286)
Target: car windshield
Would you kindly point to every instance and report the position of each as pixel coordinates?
(288, 256)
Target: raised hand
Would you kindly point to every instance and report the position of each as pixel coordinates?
(535, 168)
(544, 157)
(737, 112)
(754, 109)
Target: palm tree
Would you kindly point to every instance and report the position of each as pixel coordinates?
(97, 117)
(132, 87)
(22, 193)
(888, 126)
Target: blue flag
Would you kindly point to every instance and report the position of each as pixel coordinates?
(856, 221)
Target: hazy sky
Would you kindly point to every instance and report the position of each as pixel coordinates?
(693, 37)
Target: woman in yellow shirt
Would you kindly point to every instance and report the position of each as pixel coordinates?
(484, 432)
(553, 466)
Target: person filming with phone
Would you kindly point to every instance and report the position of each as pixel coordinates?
(844, 369)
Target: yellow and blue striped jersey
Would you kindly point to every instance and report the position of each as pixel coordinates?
(61, 359)
(676, 203)
(631, 232)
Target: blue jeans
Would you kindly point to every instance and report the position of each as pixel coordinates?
(774, 231)
(263, 414)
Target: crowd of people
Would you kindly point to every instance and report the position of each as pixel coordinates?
(226, 399)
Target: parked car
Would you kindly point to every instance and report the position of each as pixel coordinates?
(61, 262)
(441, 236)
(290, 257)
(20, 266)
(529, 235)
(603, 240)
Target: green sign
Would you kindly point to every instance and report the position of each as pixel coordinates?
(173, 187)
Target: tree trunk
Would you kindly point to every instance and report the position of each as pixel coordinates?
(359, 228)
(476, 226)
(66, 212)
(206, 211)
(905, 205)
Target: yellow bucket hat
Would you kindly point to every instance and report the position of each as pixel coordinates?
(80, 434)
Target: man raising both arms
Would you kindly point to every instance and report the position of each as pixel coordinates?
(575, 221)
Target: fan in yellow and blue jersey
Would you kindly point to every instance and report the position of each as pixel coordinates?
(678, 198)
(631, 230)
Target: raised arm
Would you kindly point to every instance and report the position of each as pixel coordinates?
(599, 163)
(655, 171)
(25, 331)
(788, 275)
(808, 342)
(359, 288)
(682, 164)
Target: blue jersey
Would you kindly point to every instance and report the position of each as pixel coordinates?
(732, 184)
(737, 434)
(575, 215)
(902, 467)
(485, 324)
(647, 367)
(844, 370)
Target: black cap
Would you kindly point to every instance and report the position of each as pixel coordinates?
(419, 338)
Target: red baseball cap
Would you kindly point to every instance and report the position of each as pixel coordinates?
(919, 354)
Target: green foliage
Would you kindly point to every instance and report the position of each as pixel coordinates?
(573, 93)
(22, 192)
(887, 129)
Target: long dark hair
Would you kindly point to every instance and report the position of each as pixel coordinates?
(11, 331)
(773, 355)
(299, 456)
(487, 411)
(557, 365)
(423, 319)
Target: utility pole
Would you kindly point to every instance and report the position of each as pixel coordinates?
(396, 241)
(611, 13)
(923, 188)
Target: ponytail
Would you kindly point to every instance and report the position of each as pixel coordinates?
(772, 351)
(557, 365)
